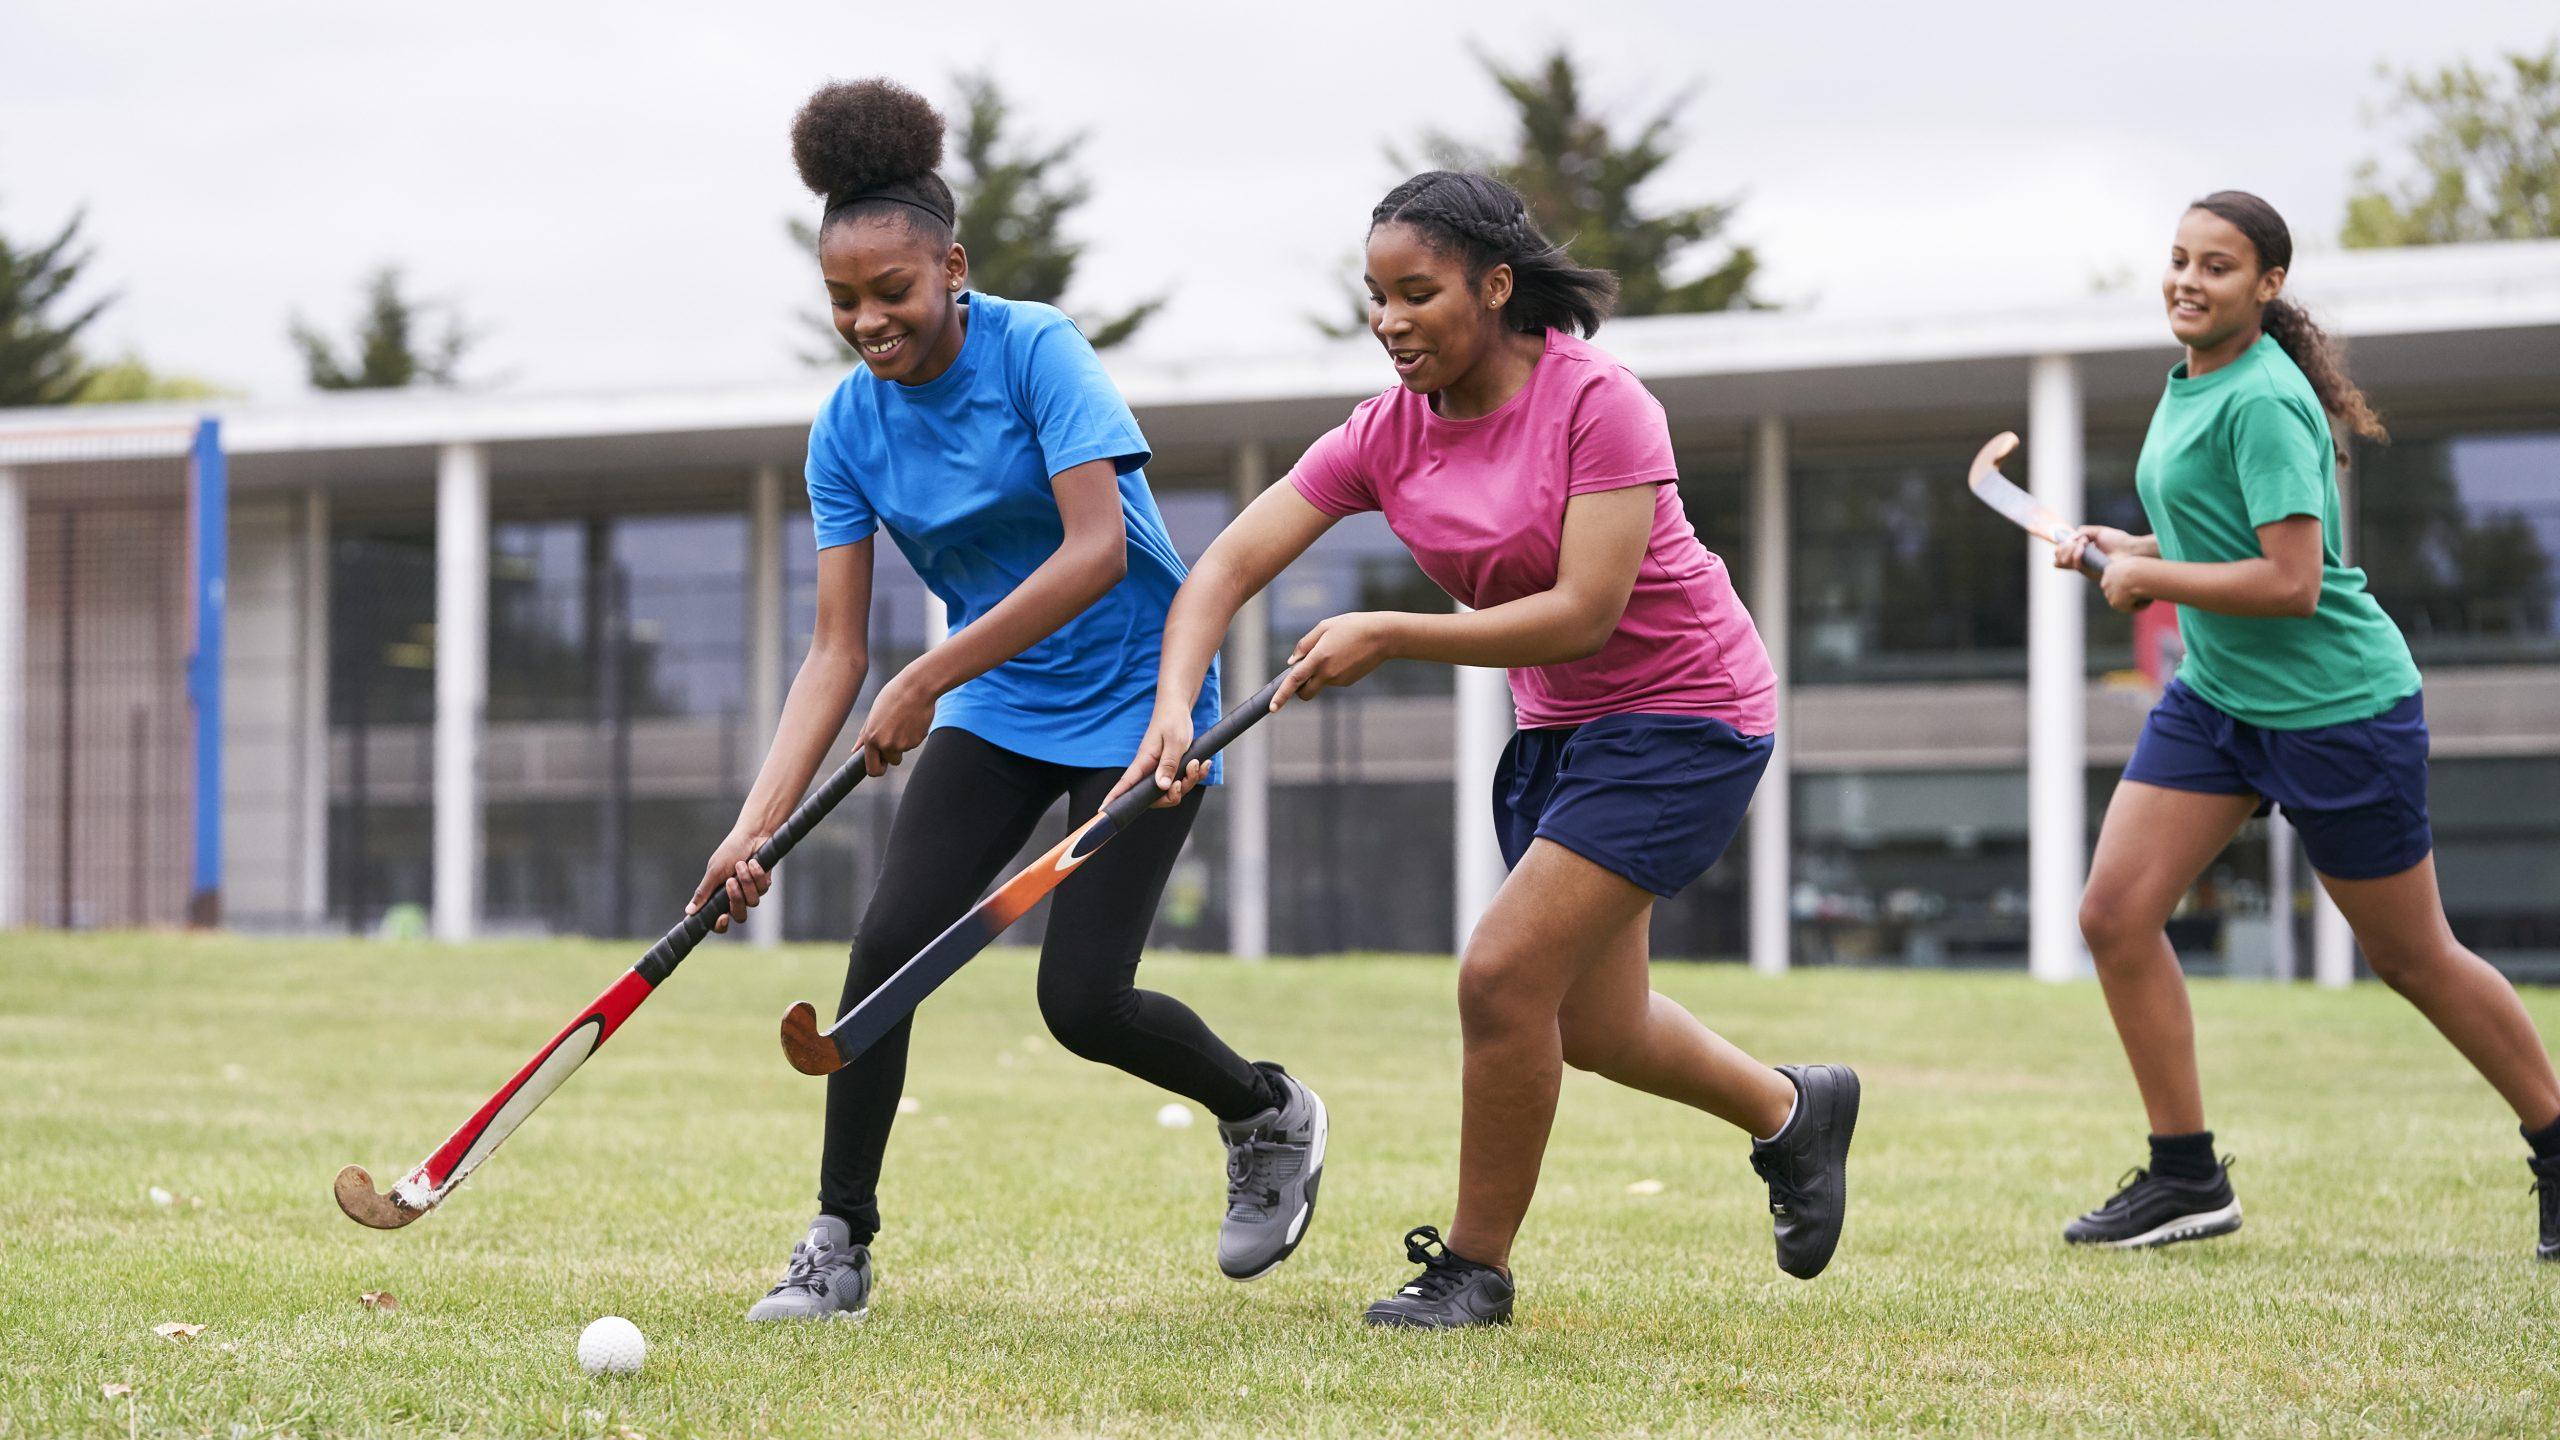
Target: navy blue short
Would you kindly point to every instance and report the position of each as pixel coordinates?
(1654, 798)
(2357, 792)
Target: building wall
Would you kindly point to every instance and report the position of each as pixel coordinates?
(263, 666)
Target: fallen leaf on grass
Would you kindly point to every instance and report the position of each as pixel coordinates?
(115, 1390)
(379, 1300)
(177, 1330)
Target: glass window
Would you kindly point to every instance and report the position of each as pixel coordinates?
(1900, 574)
(2457, 536)
(1911, 867)
(2497, 825)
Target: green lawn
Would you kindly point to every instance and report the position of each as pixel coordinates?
(1047, 1267)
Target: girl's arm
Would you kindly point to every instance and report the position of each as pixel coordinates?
(2283, 581)
(1605, 534)
(1087, 563)
(1275, 529)
(822, 694)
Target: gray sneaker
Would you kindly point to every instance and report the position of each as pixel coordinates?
(1274, 1160)
(829, 1278)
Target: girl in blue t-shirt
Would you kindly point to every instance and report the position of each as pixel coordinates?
(982, 435)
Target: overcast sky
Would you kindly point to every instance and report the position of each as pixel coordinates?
(602, 188)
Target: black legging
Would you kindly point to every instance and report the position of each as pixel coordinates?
(968, 808)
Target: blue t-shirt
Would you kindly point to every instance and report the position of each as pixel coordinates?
(958, 470)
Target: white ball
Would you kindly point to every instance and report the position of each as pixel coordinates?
(1174, 1117)
(611, 1346)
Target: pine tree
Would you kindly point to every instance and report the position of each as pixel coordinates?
(1582, 182)
(390, 349)
(40, 361)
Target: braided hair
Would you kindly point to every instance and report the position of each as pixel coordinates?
(1486, 223)
(2320, 358)
(871, 148)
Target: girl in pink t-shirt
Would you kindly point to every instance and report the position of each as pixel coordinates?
(1531, 476)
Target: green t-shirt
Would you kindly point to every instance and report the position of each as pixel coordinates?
(2245, 446)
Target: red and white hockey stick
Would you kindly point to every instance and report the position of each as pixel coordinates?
(433, 1178)
(813, 1051)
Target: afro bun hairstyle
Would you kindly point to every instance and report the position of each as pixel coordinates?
(866, 135)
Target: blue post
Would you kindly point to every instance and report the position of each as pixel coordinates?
(209, 501)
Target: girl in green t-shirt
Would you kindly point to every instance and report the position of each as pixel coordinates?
(2297, 691)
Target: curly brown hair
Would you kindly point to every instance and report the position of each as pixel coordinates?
(871, 147)
(2320, 357)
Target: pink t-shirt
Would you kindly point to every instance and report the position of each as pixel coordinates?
(1480, 503)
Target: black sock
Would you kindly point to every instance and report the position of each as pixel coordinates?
(2545, 1141)
(1275, 1091)
(2183, 1157)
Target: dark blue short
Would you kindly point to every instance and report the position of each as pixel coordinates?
(1655, 798)
(2357, 792)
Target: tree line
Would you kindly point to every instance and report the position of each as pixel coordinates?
(2481, 161)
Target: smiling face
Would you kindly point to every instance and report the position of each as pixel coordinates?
(1435, 323)
(894, 289)
(2214, 288)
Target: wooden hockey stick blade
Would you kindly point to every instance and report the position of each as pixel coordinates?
(365, 1206)
(2020, 508)
(810, 1052)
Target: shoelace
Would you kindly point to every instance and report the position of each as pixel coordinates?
(1249, 1165)
(1783, 1190)
(2126, 1183)
(1442, 1272)
(2546, 1191)
(809, 1270)
(2137, 1177)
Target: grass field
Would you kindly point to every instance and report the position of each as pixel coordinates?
(1047, 1267)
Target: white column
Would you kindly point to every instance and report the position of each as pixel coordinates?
(2282, 963)
(1773, 804)
(1248, 797)
(768, 602)
(313, 724)
(13, 700)
(2057, 689)
(462, 683)
(1484, 718)
(2333, 944)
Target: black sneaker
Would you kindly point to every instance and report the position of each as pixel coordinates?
(1450, 1293)
(2165, 1209)
(1807, 1166)
(2546, 1189)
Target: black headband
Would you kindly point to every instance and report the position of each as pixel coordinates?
(903, 192)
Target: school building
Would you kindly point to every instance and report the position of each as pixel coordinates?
(505, 663)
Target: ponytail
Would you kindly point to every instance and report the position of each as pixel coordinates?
(1487, 224)
(2323, 363)
(2321, 360)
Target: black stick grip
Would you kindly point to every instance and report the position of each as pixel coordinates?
(1209, 742)
(677, 943)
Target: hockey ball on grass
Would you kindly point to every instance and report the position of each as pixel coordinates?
(611, 1346)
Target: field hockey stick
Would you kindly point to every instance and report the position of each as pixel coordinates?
(425, 1187)
(823, 1052)
(2022, 509)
